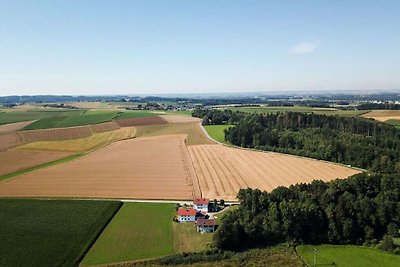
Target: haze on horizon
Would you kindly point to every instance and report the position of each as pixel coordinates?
(158, 47)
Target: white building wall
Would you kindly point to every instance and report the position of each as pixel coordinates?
(186, 218)
(201, 207)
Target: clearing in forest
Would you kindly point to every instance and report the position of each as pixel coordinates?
(223, 170)
(142, 168)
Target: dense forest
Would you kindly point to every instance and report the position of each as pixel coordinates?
(355, 141)
(370, 106)
(360, 210)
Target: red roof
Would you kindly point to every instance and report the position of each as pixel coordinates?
(204, 222)
(198, 201)
(186, 212)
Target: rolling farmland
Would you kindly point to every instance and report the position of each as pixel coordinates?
(222, 170)
(11, 161)
(50, 232)
(383, 115)
(149, 120)
(143, 168)
(11, 127)
(82, 144)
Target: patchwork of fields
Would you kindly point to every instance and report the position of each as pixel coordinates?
(223, 170)
(383, 115)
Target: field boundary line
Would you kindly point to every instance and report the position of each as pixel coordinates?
(278, 153)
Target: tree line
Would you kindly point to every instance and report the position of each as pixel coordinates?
(373, 106)
(359, 210)
(353, 141)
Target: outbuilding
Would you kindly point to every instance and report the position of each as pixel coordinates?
(205, 225)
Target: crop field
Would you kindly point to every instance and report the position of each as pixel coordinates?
(104, 127)
(55, 134)
(348, 256)
(324, 111)
(82, 144)
(11, 127)
(15, 115)
(138, 231)
(179, 118)
(76, 119)
(383, 115)
(135, 114)
(9, 140)
(50, 232)
(222, 170)
(216, 132)
(11, 161)
(194, 134)
(148, 120)
(142, 168)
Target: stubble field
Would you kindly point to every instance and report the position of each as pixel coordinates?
(222, 170)
(383, 115)
(143, 168)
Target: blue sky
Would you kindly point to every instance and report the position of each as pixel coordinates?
(132, 47)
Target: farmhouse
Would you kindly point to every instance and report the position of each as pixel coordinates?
(205, 225)
(201, 204)
(186, 215)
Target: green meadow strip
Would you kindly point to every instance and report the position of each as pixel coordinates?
(54, 162)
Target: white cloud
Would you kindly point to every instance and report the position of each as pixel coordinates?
(305, 47)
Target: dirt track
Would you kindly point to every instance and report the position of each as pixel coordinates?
(222, 170)
(143, 168)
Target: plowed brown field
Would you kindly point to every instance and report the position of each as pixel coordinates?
(150, 120)
(11, 161)
(144, 168)
(383, 115)
(222, 170)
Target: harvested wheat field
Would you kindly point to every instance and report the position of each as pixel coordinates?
(149, 120)
(383, 115)
(81, 144)
(12, 127)
(223, 170)
(194, 134)
(142, 168)
(12, 161)
(179, 118)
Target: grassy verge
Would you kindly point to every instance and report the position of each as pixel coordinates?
(351, 256)
(66, 159)
(394, 123)
(217, 132)
(138, 231)
(50, 232)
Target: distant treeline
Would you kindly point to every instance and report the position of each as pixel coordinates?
(358, 210)
(216, 117)
(349, 140)
(372, 106)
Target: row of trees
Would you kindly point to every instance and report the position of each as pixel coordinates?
(217, 117)
(361, 209)
(355, 141)
(369, 106)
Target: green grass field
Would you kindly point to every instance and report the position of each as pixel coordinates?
(138, 231)
(50, 232)
(187, 239)
(134, 114)
(325, 111)
(217, 132)
(348, 256)
(10, 116)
